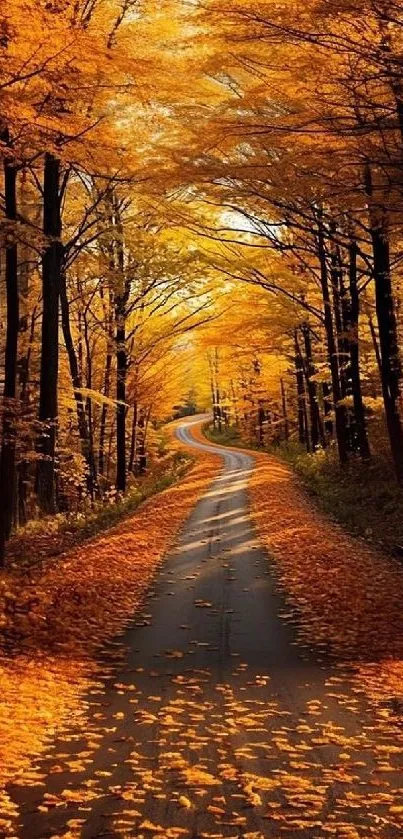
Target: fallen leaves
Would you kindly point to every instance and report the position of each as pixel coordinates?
(58, 616)
(347, 597)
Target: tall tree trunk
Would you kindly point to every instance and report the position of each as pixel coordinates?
(303, 434)
(284, 409)
(354, 347)
(7, 460)
(121, 300)
(142, 460)
(234, 404)
(133, 441)
(338, 293)
(261, 416)
(51, 271)
(104, 412)
(121, 369)
(328, 411)
(339, 410)
(217, 392)
(311, 388)
(76, 379)
(387, 326)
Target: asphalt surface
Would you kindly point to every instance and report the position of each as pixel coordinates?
(209, 720)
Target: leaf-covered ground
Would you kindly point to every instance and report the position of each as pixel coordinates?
(208, 720)
(348, 596)
(55, 618)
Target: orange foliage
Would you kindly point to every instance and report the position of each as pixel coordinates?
(57, 617)
(348, 597)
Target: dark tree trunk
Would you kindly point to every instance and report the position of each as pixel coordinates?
(212, 388)
(104, 412)
(284, 409)
(301, 395)
(386, 316)
(217, 393)
(261, 416)
(339, 292)
(311, 388)
(359, 410)
(121, 300)
(133, 441)
(121, 370)
(7, 460)
(339, 410)
(51, 271)
(76, 379)
(142, 455)
(327, 410)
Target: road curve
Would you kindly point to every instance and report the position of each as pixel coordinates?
(214, 723)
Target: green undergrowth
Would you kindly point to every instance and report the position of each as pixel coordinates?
(54, 535)
(363, 497)
(226, 437)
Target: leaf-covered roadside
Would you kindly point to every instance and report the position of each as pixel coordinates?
(55, 535)
(55, 618)
(347, 596)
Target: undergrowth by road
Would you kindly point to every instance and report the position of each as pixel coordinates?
(54, 535)
(347, 594)
(362, 496)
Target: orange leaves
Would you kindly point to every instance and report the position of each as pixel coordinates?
(65, 610)
(347, 596)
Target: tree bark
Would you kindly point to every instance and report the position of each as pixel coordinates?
(133, 441)
(121, 370)
(8, 450)
(339, 410)
(303, 435)
(51, 273)
(312, 389)
(354, 347)
(141, 425)
(76, 379)
(387, 325)
(284, 409)
(121, 300)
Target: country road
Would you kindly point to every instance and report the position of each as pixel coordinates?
(209, 721)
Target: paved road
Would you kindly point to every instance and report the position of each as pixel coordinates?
(213, 723)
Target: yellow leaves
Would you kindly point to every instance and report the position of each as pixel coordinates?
(149, 826)
(40, 693)
(195, 776)
(355, 593)
(184, 802)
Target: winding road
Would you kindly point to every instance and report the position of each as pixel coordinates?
(212, 722)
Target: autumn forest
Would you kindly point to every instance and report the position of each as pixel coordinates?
(201, 398)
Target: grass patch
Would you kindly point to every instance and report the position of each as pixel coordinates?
(364, 497)
(226, 437)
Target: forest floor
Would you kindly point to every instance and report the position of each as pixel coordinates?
(363, 496)
(51, 536)
(249, 697)
(62, 599)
